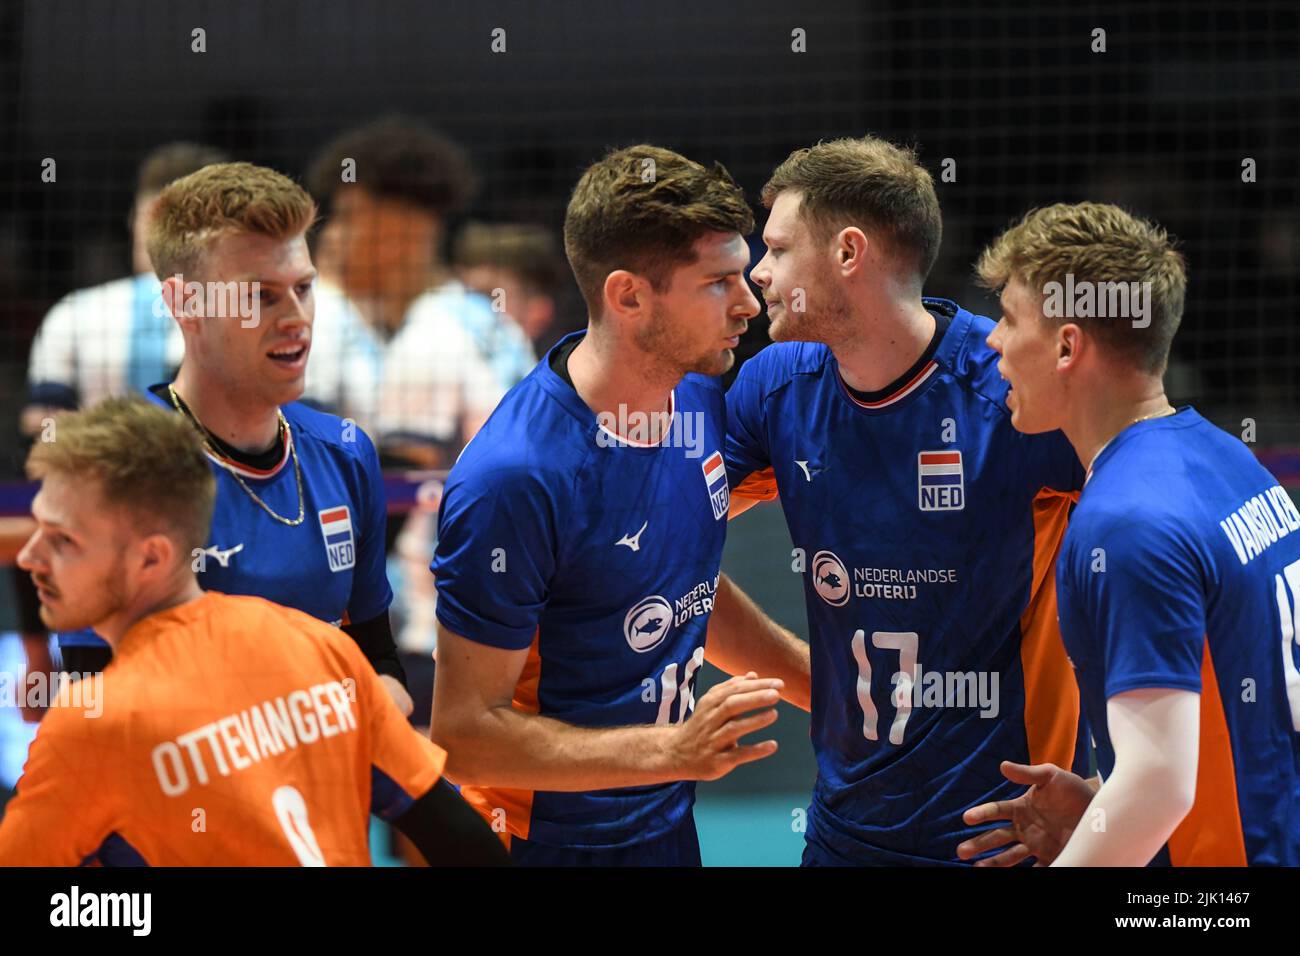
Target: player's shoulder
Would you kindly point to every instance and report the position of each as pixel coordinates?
(1176, 467)
(704, 388)
(529, 443)
(343, 437)
(1130, 515)
(1175, 449)
(773, 368)
(966, 353)
(248, 616)
(77, 708)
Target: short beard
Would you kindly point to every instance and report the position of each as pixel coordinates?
(828, 323)
(672, 353)
(111, 590)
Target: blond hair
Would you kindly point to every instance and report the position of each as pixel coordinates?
(196, 210)
(868, 183)
(1096, 243)
(147, 461)
(641, 209)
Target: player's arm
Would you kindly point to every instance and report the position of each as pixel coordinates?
(743, 638)
(56, 819)
(447, 831)
(406, 785)
(1156, 736)
(490, 742)
(369, 624)
(375, 638)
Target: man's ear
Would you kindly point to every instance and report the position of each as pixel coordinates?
(851, 247)
(155, 553)
(1069, 345)
(173, 294)
(625, 294)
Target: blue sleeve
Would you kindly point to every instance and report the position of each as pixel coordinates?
(1141, 581)
(371, 593)
(746, 447)
(495, 556)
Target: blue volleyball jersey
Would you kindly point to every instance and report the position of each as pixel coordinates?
(1181, 569)
(925, 526)
(330, 566)
(601, 559)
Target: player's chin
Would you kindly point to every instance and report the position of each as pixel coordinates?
(58, 618)
(715, 363)
(785, 329)
(1025, 421)
(779, 328)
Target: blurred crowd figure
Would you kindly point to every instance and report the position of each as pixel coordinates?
(388, 192)
(421, 326)
(520, 268)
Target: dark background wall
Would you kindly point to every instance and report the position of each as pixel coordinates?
(1160, 122)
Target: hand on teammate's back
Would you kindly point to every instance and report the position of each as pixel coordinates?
(399, 694)
(1042, 818)
(707, 746)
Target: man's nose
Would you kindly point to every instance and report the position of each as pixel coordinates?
(994, 340)
(748, 308)
(300, 312)
(27, 556)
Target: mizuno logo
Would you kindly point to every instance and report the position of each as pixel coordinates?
(633, 541)
(223, 557)
(804, 465)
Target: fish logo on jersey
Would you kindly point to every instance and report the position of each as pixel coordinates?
(940, 482)
(336, 527)
(830, 578)
(648, 623)
(715, 479)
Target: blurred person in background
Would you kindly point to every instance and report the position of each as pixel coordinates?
(389, 190)
(518, 266)
(114, 338)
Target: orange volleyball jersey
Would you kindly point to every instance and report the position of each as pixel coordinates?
(228, 731)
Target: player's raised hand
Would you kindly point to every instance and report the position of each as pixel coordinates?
(1041, 819)
(707, 745)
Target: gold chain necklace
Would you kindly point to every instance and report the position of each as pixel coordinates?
(1161, 414)
(208, 443)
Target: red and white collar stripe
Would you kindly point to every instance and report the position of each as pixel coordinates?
(247, 471)
(917, 381)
